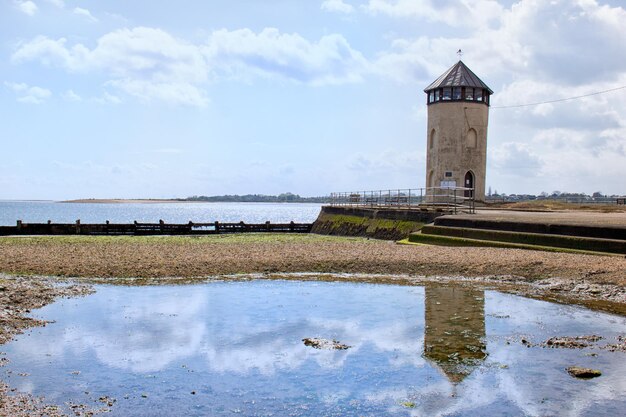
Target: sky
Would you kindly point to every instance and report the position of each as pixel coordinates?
(161, 99)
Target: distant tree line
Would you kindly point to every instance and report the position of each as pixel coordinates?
(597, 196)
(258, 198)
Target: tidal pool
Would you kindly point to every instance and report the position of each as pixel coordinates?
(224, 348)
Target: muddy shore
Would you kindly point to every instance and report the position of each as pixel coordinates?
(571, 277)
(36, 270)
(18, 296)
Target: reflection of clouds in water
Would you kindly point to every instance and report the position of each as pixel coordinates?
(406, 339)
(264, 331)
(535, 382)
(161, 331)
(524, 314)
(242, 329)
(475, 392)
(333, 396)
(146, 337)
(439, 398)
(147, 351)
(538, 383)
(234, 333)
(611, 391)
(280, 348)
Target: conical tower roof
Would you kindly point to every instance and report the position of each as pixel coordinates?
(459, 75)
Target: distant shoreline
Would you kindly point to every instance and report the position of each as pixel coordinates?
(165, 201)
(123, 200)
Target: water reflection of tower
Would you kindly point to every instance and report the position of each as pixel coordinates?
(455, 330)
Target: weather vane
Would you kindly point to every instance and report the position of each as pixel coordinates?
(459, 53)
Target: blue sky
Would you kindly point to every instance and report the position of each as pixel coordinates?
(156, 99)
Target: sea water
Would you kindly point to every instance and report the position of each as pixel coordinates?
(42, 211)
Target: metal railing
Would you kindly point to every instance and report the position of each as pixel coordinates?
(453, 199)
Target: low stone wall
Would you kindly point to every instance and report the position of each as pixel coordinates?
(533, 239)
(543, 227)
(386, 224)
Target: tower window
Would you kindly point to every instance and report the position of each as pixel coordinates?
(469, 93)
(431, 96)
(432, 139)
(479, 94)
(448, 174)
(456, 93)
(447, 93)
(471, 139)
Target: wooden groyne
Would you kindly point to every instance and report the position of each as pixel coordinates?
(146, 229)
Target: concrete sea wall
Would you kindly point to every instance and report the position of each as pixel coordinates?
(387, 224)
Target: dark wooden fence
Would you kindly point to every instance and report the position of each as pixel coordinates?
(145, 229)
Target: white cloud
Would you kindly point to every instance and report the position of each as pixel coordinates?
(387, 161)
(84, 13)
(70, 95)
(27, 7)
(170, 151)
(561, 39)
(58, 3)
(517, 158)
(29, 94)
(571, 155)
(151, 64)
(567, 146)
(476, 13)
(379, 169)
(50, 52)
(338, 6)
(243, 53)
(593, 115)
(108, 98)
(144, 62)
(493, 54)
(169, 92)
(554, 42)
(118, 17)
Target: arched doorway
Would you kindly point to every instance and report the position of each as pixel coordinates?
(469, 183)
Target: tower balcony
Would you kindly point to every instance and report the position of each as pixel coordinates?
(472, 94)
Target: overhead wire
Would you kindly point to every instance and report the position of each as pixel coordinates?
(560, 99)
